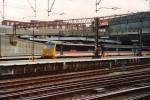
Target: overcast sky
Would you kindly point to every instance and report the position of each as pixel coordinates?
(21, 10)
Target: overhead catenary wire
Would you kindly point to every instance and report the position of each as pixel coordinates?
(33, 8)
(97, 3)
(50, 7)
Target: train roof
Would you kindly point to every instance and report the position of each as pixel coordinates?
(74, 39)
(92, 45)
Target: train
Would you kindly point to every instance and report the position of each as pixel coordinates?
(52, 48)
(49, 51)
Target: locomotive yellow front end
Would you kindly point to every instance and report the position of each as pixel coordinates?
(49, 51)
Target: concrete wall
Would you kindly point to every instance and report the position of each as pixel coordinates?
(21, 47)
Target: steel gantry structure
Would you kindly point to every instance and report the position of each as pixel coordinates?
(82, 24)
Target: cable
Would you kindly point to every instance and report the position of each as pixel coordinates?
(30, 4)
(50, 10)
(52, 5)
(34, 9)
(99, 2)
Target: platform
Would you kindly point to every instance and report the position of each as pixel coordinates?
(64, 60)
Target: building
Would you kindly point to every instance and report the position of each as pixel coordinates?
(131, 27)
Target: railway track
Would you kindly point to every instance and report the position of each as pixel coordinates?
(86, 85)
(81, 85)
(130, 93)
(30, 82)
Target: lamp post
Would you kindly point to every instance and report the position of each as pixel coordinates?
(33, 29)
(134, 49)
(140, 43)
(96, 37)
(96, 27)
(0, 47)
(33, 44)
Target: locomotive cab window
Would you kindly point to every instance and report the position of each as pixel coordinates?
(50, 45)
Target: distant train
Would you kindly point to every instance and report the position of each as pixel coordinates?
(51, 48)
(49, 51)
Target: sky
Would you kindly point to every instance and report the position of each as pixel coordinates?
(21, 9)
